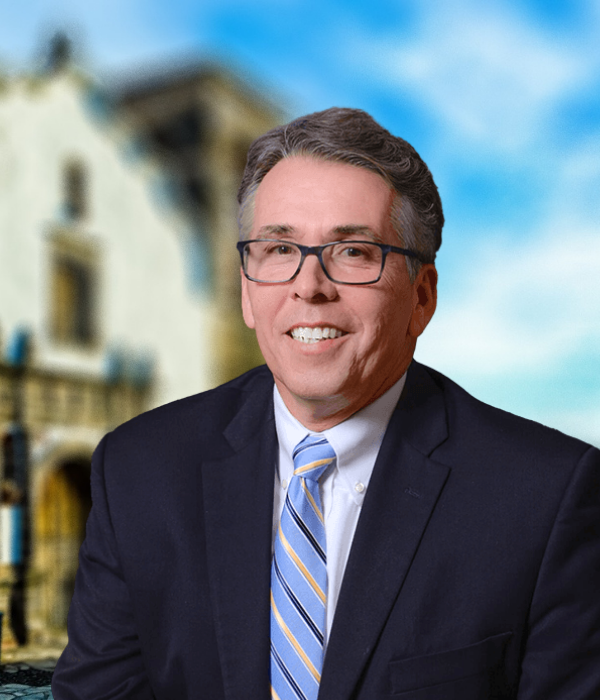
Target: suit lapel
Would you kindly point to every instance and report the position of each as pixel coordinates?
(238, 505)
(403, 491)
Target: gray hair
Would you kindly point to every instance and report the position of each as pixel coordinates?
(354, 137)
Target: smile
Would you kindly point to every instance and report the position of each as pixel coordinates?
(314, 335)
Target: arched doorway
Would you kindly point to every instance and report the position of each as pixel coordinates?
(60, 516)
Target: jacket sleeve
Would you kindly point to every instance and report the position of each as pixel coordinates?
(562, 653)
(103, 656)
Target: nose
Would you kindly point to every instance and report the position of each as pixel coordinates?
(311, 283)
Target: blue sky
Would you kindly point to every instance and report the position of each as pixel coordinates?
(502, 100)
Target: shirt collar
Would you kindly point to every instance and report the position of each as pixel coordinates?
(356, 440)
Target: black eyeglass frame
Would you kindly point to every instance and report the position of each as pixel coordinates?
(306, 250)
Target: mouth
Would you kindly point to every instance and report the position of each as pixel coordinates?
(311, 335)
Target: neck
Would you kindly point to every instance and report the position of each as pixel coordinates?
(322, 413)
(317, 414)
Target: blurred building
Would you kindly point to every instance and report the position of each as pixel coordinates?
(199, 123)
(119, 291)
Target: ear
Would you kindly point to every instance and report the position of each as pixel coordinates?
(246, 305)
(424, 299)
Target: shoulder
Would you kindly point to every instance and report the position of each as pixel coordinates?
(502, 466)
(476, 428)
(198, 420)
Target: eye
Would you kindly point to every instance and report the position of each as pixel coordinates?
(352, 252)
(353, 249)
(279, 249)
(355, 253)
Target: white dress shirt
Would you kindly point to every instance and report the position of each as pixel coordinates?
(356, 442)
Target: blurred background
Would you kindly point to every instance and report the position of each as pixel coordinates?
(123, 133)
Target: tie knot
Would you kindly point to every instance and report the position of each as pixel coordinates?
(312, 456)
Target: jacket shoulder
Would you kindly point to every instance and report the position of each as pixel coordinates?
(477, 426)
(200, 417)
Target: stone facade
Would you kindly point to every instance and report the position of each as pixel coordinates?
(119, 291)
(199, 122)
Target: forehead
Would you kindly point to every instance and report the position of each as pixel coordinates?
(312, 195)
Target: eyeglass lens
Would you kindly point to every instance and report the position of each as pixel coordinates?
(347, 261)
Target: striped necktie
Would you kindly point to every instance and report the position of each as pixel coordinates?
(299, 578)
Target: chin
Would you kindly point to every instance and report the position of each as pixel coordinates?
(315, 389)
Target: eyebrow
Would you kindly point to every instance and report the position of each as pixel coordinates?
(346, 230)
(355, 229)
(276, 229)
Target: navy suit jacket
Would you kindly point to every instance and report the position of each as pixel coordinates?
(474, 571)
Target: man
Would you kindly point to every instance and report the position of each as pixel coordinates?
(345, 522)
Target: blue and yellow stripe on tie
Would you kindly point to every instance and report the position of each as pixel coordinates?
(299, 578)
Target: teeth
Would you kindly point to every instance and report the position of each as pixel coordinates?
(313, 335)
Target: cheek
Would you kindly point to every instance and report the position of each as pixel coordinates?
(383, 311)
(265, 304)
(387, 328)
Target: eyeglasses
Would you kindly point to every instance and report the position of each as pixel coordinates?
(344, 262)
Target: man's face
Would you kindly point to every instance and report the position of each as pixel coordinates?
(313, 202)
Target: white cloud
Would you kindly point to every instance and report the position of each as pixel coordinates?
(523, 318)
(489, 74)
(521, 310)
